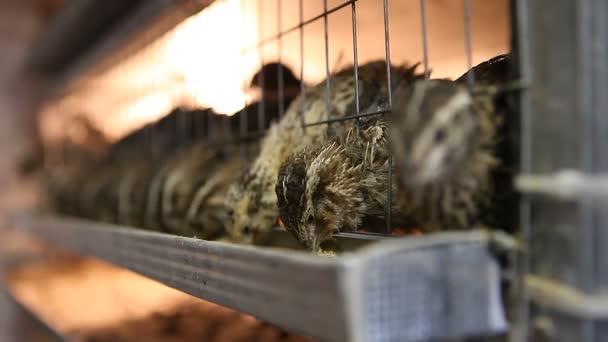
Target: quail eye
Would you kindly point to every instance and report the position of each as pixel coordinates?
(440, 135)
(246, 230)
(311, 218)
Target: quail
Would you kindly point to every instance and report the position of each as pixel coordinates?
(341, 184)
(275, 97)
(70, 160)
(252, 199)
(166, 191)
(132, 191)
(338, 186)
(188, 172)
(444, 138)
(497, 74)
(207, 214)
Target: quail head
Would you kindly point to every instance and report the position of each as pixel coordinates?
(337, 186)
(252, 198)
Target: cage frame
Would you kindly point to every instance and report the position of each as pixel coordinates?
(327, 298)
(562, 48)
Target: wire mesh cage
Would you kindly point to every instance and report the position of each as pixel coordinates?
(179, 69)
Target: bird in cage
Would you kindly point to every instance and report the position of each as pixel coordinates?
(341, 184)
(253, 199)
(95, 197)
(180, 180)
(444, 137)
(132, 163)
(71, 159)
(498, 72)
(132, 191)
(207, 214)
(274, 96)
(186, 173)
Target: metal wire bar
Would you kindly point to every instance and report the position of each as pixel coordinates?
(355, 59)
(522, 48)
(302, 86)
(349, 117)
(327, 80)
(226, 134)
(387, 51)
(565, 185)
(261, 109)
(468, 43)
(363, 235)
(425, 41)
(243, 115)
(280, 53)
(212, 127)
(302, 23)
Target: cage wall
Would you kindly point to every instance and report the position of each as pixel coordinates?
(563, 48)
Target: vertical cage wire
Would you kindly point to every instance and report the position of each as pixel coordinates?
(425, 43)
(261, 104)
(302, 86)
(327, 73)
(355, 59)
(244, 115)
(468, 43)
(280, 59)
(387, 51)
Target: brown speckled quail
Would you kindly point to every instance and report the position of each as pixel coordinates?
(207, 216)
(444, 140)
(252, 198)
(337, 186)
(341, 184)
(186, 174)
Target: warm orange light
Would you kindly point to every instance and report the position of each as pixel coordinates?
(206, 51)
(207, 60)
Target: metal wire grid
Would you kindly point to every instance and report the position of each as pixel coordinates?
(358, 114)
